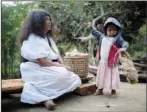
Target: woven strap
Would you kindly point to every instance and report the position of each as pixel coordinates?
(125, 54)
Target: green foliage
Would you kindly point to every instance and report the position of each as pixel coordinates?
(143, 30)
(66, 48)
(12, 18)
(132, 18)
(69, 16)
(138, 45)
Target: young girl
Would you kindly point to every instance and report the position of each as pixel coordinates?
(110, 44)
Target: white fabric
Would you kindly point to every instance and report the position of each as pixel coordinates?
(44, 83)
(105, 48)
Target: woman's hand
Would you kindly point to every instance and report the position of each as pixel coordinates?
(45, 62)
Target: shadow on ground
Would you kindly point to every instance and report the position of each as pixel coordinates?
(11, 103)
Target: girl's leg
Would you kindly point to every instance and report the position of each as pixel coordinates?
(113, 92)
(99, 92)
(49, 104)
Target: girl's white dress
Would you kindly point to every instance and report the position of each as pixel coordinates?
(44, 83)
(107, 78)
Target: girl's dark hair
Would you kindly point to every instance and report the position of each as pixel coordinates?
(106, 26)
(34, 24)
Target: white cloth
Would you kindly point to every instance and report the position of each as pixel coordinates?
(44, 83)
(105, 48)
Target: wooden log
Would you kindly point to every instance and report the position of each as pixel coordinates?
(16, 85)
(12, 86)
(139, 68)
(92, 69)
(142, 75)
(88, 78)
(94, 72)
(86, 89)
(140, 65)
(139, 59)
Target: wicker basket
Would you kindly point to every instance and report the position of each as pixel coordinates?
(127, 68)
(78, 64)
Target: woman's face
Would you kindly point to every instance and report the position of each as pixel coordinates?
(48, 24)
(111, 31)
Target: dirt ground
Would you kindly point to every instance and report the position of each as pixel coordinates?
(131, 98)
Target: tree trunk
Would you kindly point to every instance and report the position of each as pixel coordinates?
(101, 8)
(90, 52)
(91, 46)
(5, 64)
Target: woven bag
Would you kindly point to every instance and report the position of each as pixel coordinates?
(127, 67)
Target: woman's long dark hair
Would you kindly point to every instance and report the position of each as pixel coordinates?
(34, 24)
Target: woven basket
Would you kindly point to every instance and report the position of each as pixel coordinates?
(127, 68)
(78, 64)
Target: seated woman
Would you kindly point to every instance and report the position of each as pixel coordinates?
(44, 76)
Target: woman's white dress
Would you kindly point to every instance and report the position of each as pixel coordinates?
(44, 83)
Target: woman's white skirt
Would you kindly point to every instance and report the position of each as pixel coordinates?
(44, 83)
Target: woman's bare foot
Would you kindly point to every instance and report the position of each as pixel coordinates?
(99, 92)
(50, 105)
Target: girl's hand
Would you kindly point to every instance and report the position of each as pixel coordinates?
(83, 39)
(121, 50)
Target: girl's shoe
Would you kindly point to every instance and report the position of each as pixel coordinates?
(50, 105)
(113, 93)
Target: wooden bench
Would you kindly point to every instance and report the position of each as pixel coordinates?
(12, 86)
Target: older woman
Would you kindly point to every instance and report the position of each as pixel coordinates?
(44, 76)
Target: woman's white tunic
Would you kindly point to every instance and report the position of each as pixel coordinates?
(44, 83)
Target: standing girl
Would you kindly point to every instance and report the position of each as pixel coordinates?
(110, 45)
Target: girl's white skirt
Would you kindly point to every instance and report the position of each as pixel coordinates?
(107, 78)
